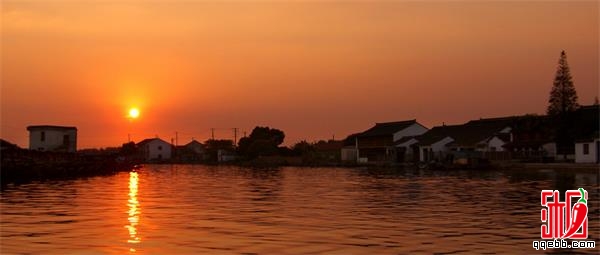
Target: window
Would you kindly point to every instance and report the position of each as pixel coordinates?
(586, 148)
(43, 136)
(160, 148)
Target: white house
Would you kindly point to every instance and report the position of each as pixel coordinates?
(587, 151)
(414, 129)
(155, 149)
(191, 152)
(434, 149)
(406, 150)
(52, 138)
(380, 143)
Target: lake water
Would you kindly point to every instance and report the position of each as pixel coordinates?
(163, 209)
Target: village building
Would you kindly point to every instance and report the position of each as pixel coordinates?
(587, 140)
(474, 139)
(193, 151)
(533, 139)
(406, 152)
(349, 152)
(8, 146)
(155, 149)
(52, 138)
(432, 144)
(378, 144)
(587, 151)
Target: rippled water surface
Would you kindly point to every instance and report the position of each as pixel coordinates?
(162, 209)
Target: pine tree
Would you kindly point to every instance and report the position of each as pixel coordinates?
(563, 97)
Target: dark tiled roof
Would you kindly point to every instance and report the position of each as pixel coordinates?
(29, 128)
(436, 134)
(387, 128)
(468, 134)
(351, 139)
(8, 145)
(194, 143)
(145, 141)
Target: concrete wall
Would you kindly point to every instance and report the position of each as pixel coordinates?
(54, 140)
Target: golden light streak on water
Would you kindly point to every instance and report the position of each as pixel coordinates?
(134, 210)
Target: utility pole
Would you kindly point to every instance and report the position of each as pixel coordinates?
(212, 133)
(128, 138)
(176, 137)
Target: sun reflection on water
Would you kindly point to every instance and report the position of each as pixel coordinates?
(134, 210)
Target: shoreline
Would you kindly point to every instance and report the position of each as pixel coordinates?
(498, 165)
(550, 166)
(83, 167)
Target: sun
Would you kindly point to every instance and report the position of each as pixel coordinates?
(134, 113)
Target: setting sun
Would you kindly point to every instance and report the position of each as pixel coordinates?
(134, 113)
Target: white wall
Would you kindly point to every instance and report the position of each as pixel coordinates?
(441, 144)
(412, 130)
(585, 158)
(408, 143)
(437, 148)
(53, 139)
(157, 149)
(495, 142)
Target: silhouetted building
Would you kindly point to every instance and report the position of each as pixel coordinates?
(469, 140)
(8, 146)
(587, 150)
(587, 141)
(52, 138)
(533, 139)
(155, 149)
(378, 144)
(193, 151)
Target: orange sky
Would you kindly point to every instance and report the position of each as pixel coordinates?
(310, 68)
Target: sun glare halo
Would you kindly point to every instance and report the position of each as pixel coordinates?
(134, 113)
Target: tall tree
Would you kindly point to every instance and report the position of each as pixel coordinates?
(563, 97)
(263, 141)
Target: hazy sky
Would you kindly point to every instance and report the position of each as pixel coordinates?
(311, 68)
